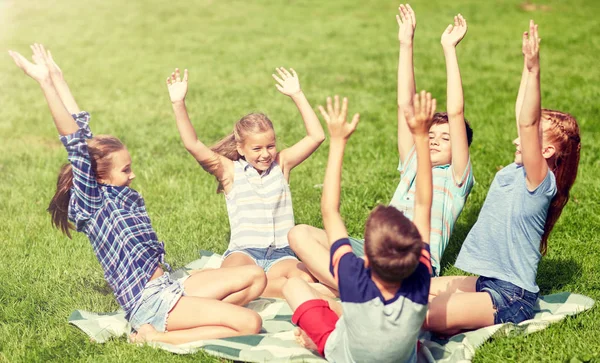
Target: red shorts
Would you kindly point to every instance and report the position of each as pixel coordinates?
(317, 319)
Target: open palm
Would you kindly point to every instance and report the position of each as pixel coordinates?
(177, 86)
(38, 70)
(454, 33)
(287, 83)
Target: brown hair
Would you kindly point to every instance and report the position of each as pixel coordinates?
(392, 244)
(563, 133)
(227, 146)
(442, 118)
(99, 148)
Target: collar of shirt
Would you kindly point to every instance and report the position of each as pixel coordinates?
(247, 166)
(125, 194)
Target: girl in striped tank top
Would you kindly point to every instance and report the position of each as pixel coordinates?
(254, 177)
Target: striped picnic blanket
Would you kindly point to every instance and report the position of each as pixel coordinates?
(276, 341)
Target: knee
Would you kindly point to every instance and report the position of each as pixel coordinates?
(301, 272)
(257, 277)
(297, 235)
(252, 323)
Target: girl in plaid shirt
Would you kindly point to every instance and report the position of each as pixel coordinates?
(93, 192)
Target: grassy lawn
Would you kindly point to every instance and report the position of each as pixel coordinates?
(116, 56)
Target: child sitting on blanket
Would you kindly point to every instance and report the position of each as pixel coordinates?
(254, 177)
(93, 192)
(384, 296)
(524, 201)
(449, 139)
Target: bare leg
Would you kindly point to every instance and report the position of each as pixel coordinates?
(280, 272)
(457, 306)
(236, 285)
(297, 292)
(312, 247)
(195, 318)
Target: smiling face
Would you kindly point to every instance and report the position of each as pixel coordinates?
(120, 173)
(259, 149)
(439, 144)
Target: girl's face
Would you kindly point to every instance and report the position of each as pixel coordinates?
(259, 149)
(547, 148)
(120, 174)
(439, 144)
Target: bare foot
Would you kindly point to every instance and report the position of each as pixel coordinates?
(304, 340)
(146, 333)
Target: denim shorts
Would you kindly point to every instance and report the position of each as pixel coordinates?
(265, 257)
(358, 246)
(158, 299)
(512, 303)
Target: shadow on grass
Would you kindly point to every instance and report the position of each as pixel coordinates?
(554, 273)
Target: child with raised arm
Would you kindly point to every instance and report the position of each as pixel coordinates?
(93, 192)
(525, 199)
(384, 296)
(449, 139)
(254, 177)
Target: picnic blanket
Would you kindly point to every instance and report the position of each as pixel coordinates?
(276, 341)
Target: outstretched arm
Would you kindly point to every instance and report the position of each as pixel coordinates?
(339, 132)
(523, 84)
(406, 76)
(419, 123)
(60, 83)
(39, 71)
(455, 99)
(289, 84)
(529, 119)
(217, 165)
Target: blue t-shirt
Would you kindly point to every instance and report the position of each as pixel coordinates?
(372, 329)
(504, 243)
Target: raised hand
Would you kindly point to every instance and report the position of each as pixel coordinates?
(419, 117)
(38, 70)
(288, 83)
(336, 119)
(177, 87)
(531, 47)
(407, 23)
(454, 32)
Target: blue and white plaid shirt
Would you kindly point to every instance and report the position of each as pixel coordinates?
(115, 221)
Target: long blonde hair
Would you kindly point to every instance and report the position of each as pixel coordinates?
(228, 146)
(100, 149)
(564, 135)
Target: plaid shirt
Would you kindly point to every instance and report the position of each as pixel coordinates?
(115, 221)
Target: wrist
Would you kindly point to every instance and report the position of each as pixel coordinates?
(337, 141)
(449, 48)
(297, 94)
(46, 82)
(406, 45)
(178, 103)
(421, 137)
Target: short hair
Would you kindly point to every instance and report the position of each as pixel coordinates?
(392, 244)
(442, 118)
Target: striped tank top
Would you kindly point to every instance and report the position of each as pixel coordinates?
(259, 207)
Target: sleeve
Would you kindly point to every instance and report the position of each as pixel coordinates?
(85, 195)
(464, 185)
(409, 162)
(547, 187)
(349, 271)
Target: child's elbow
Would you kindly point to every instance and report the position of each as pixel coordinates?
(319, 138)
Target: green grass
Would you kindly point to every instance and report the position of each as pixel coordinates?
(116, 55)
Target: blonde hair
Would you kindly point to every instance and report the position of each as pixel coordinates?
(100, 149)
(228, 146)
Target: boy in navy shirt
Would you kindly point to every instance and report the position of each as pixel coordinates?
(384, 297)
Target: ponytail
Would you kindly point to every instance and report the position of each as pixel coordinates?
(59, 205)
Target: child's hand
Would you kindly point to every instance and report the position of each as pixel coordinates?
(419, 117)
(177, 87)
(531, 47)
(55, 71)
(336, 119)
(38, 70)
(406, 23)
(288, 84)
(454, 33)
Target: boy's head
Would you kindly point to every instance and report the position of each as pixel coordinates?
(439, 139)
(392, 244)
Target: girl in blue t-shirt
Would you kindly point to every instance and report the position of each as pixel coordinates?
(94, 193)
(510, 236)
